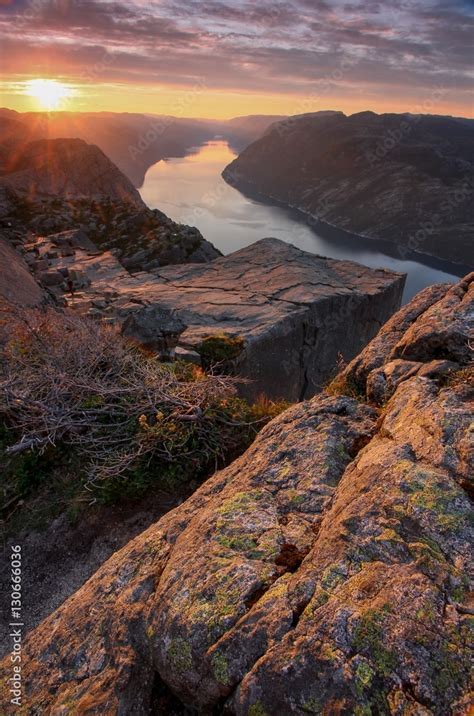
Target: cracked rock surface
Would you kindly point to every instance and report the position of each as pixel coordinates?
(297, 312)
(325, 571)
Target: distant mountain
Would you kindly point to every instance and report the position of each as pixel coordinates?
(242, 131)
(49, 186)
(134, 142)
(63, 168)
(404, 178)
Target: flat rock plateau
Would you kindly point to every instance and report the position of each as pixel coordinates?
(295, 312)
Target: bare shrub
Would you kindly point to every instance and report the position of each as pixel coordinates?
(69, 380)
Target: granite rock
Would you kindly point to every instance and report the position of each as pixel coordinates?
(324, 571)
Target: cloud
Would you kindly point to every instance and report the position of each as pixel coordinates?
(272, 47)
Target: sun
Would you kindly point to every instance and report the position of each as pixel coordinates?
(49, 94)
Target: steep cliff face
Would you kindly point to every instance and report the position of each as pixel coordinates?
(66, 168)
(325, 571)
(403, 178)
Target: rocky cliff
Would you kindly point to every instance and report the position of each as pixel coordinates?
(326, 571)
(288, 314)
(404, 178)
(66, 168)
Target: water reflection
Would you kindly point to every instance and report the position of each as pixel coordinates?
(191, 190)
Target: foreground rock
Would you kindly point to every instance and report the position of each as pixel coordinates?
(290, 313)
(325, 571)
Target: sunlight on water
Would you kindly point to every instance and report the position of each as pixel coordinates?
(191, 190)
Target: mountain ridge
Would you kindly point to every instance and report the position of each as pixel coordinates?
(402, 178)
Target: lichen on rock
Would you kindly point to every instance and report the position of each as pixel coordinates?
(325, 571)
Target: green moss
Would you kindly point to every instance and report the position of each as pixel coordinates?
(332, 577)
(237, 543)
(365, 710)
(93, 401)
(364, 676)
(458, 593)
(434, 547)
(311, 706)
(257, 709)
(320, 597)
(297, 500)
(179, 654)
(369, 639)
(240, 502)
(426, 613)
(220, 668)
(219, 348)
(450, 668)
(436, 497)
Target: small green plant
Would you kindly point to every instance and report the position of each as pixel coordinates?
(220, 348)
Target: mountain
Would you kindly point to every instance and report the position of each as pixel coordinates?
(403, 178)
(325, 571)
(64, 168)
(134, 142)
(55, 185)
(242, 131)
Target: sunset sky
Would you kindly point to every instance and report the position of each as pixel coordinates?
(221, 59)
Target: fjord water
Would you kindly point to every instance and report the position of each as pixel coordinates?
(190, 190)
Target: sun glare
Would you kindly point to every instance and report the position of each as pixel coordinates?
(49, 94)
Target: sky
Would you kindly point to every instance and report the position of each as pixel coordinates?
(223, 59)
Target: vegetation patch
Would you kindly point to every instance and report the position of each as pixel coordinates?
(179, 654)
(369, 640)
(220, 668)
(84, 411)
(220, 348)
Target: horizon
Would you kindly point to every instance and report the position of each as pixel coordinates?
(52, 113)
(218, 60)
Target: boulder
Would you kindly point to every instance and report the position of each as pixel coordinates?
(75, 238)
(16, 282)
(435, 331)
(156, 329)
(51, 277)
(296, 312)
(325, 571)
